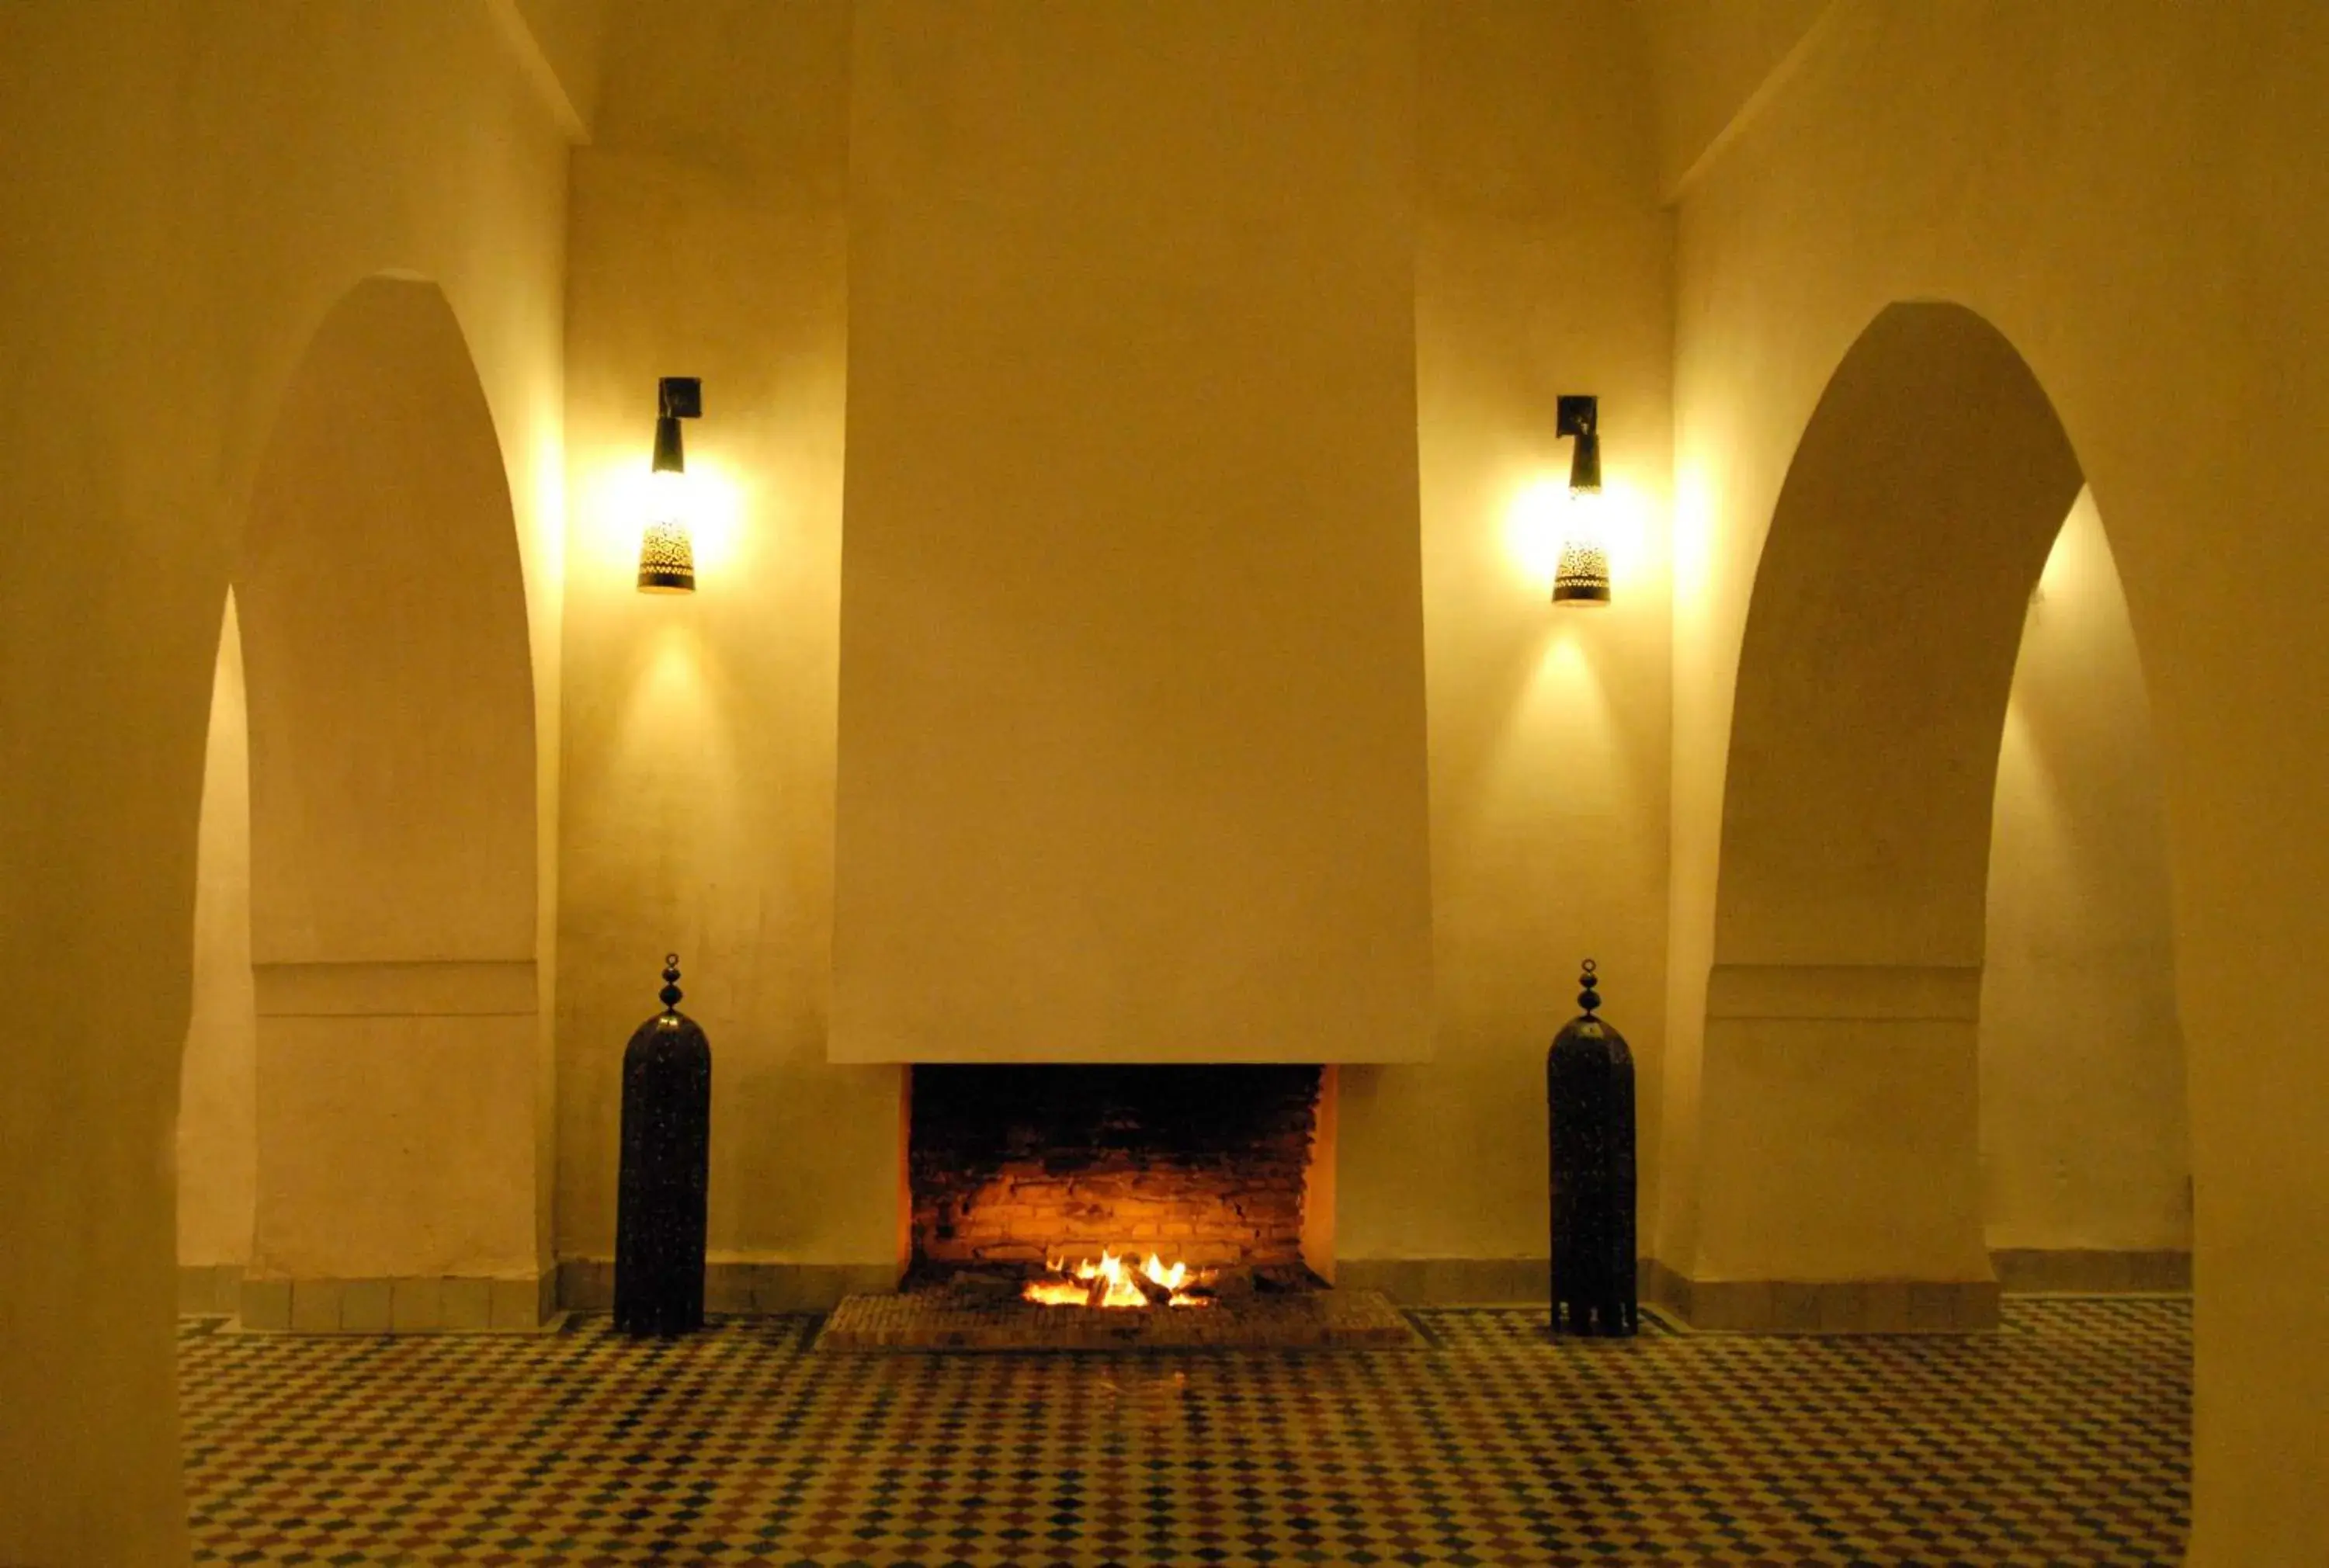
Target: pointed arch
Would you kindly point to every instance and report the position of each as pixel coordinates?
(1840, 1090)
(393, 836)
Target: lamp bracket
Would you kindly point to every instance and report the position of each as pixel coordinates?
(1576, 414)
(680, 397)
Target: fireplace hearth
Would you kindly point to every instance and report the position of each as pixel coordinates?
(951, 1318)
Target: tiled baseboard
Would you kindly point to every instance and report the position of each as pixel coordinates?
(1823, 1307)
(467, 1304)
(588, 1285)
(210, 1289)
(2091, 1271)
(1759, 1306)
(474, 1305)
(1910, 1306)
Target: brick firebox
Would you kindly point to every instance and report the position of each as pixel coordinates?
(1213, 1165)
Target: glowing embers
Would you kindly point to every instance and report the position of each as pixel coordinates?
(1113, 1280)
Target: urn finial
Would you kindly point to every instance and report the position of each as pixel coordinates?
(1588, 999)
(670, 994)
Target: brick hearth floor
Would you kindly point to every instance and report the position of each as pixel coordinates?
(2061, 1439)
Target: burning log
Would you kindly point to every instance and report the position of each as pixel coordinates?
(1114, 1281)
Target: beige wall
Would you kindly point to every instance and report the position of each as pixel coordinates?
(218, 1133)
(2131, 194)
(2083, 1138)
(392, 831)
(188, 187)
(699, 742)
(383, 631)
(563, 45)
(700, 739)
(1843, 1008)
(1543, 267)
(1130, 764)
(1713, 65)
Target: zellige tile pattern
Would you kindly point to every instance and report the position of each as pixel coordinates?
(2059, 1439)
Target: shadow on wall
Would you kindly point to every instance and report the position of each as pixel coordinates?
(360, 1078)
(1838, 1145)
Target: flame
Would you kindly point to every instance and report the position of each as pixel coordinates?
(1055, 1292)
(1072, 1284)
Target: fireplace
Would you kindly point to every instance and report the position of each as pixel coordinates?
(1017, 1172)
(1198, 1201)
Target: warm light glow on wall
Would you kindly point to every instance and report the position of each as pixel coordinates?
(1542, 515)
(615, 492)
(666, 546)
(2071, 566)
(1693, 535)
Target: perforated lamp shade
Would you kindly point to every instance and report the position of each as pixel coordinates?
(1581, 577)
(666, 554)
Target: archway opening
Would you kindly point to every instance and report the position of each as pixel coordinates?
(1841, 1183)
(361, 1084)
(2084, 1153)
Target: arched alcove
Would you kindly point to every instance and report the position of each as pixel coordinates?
(2086, 1156)
(390, 843)
(217, 1143)
(384, 627)
(1840, 1185)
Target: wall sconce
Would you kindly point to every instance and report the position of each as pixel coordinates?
(1582, 577)
(666, 553)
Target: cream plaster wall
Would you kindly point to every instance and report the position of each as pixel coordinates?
(569, 39)
(2133, 196)
(218, 1131)
(709, 239)
(1713, 63)
(1543, 267)
(381, 617)
(698, 786)
(392, 802)
(1132, 690)
(394, 1142)
(2083, 1134)
(1842, 1021)
(187, 188)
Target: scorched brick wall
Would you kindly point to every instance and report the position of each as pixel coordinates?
(1009, 1165)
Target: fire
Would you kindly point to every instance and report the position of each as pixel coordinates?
(1114, 1279)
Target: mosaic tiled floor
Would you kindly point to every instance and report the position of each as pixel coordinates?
(2058, 1440)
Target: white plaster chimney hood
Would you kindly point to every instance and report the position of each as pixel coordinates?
(1132, 751)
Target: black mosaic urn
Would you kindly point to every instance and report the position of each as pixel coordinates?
(666, 1167)
(1589, 1080)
